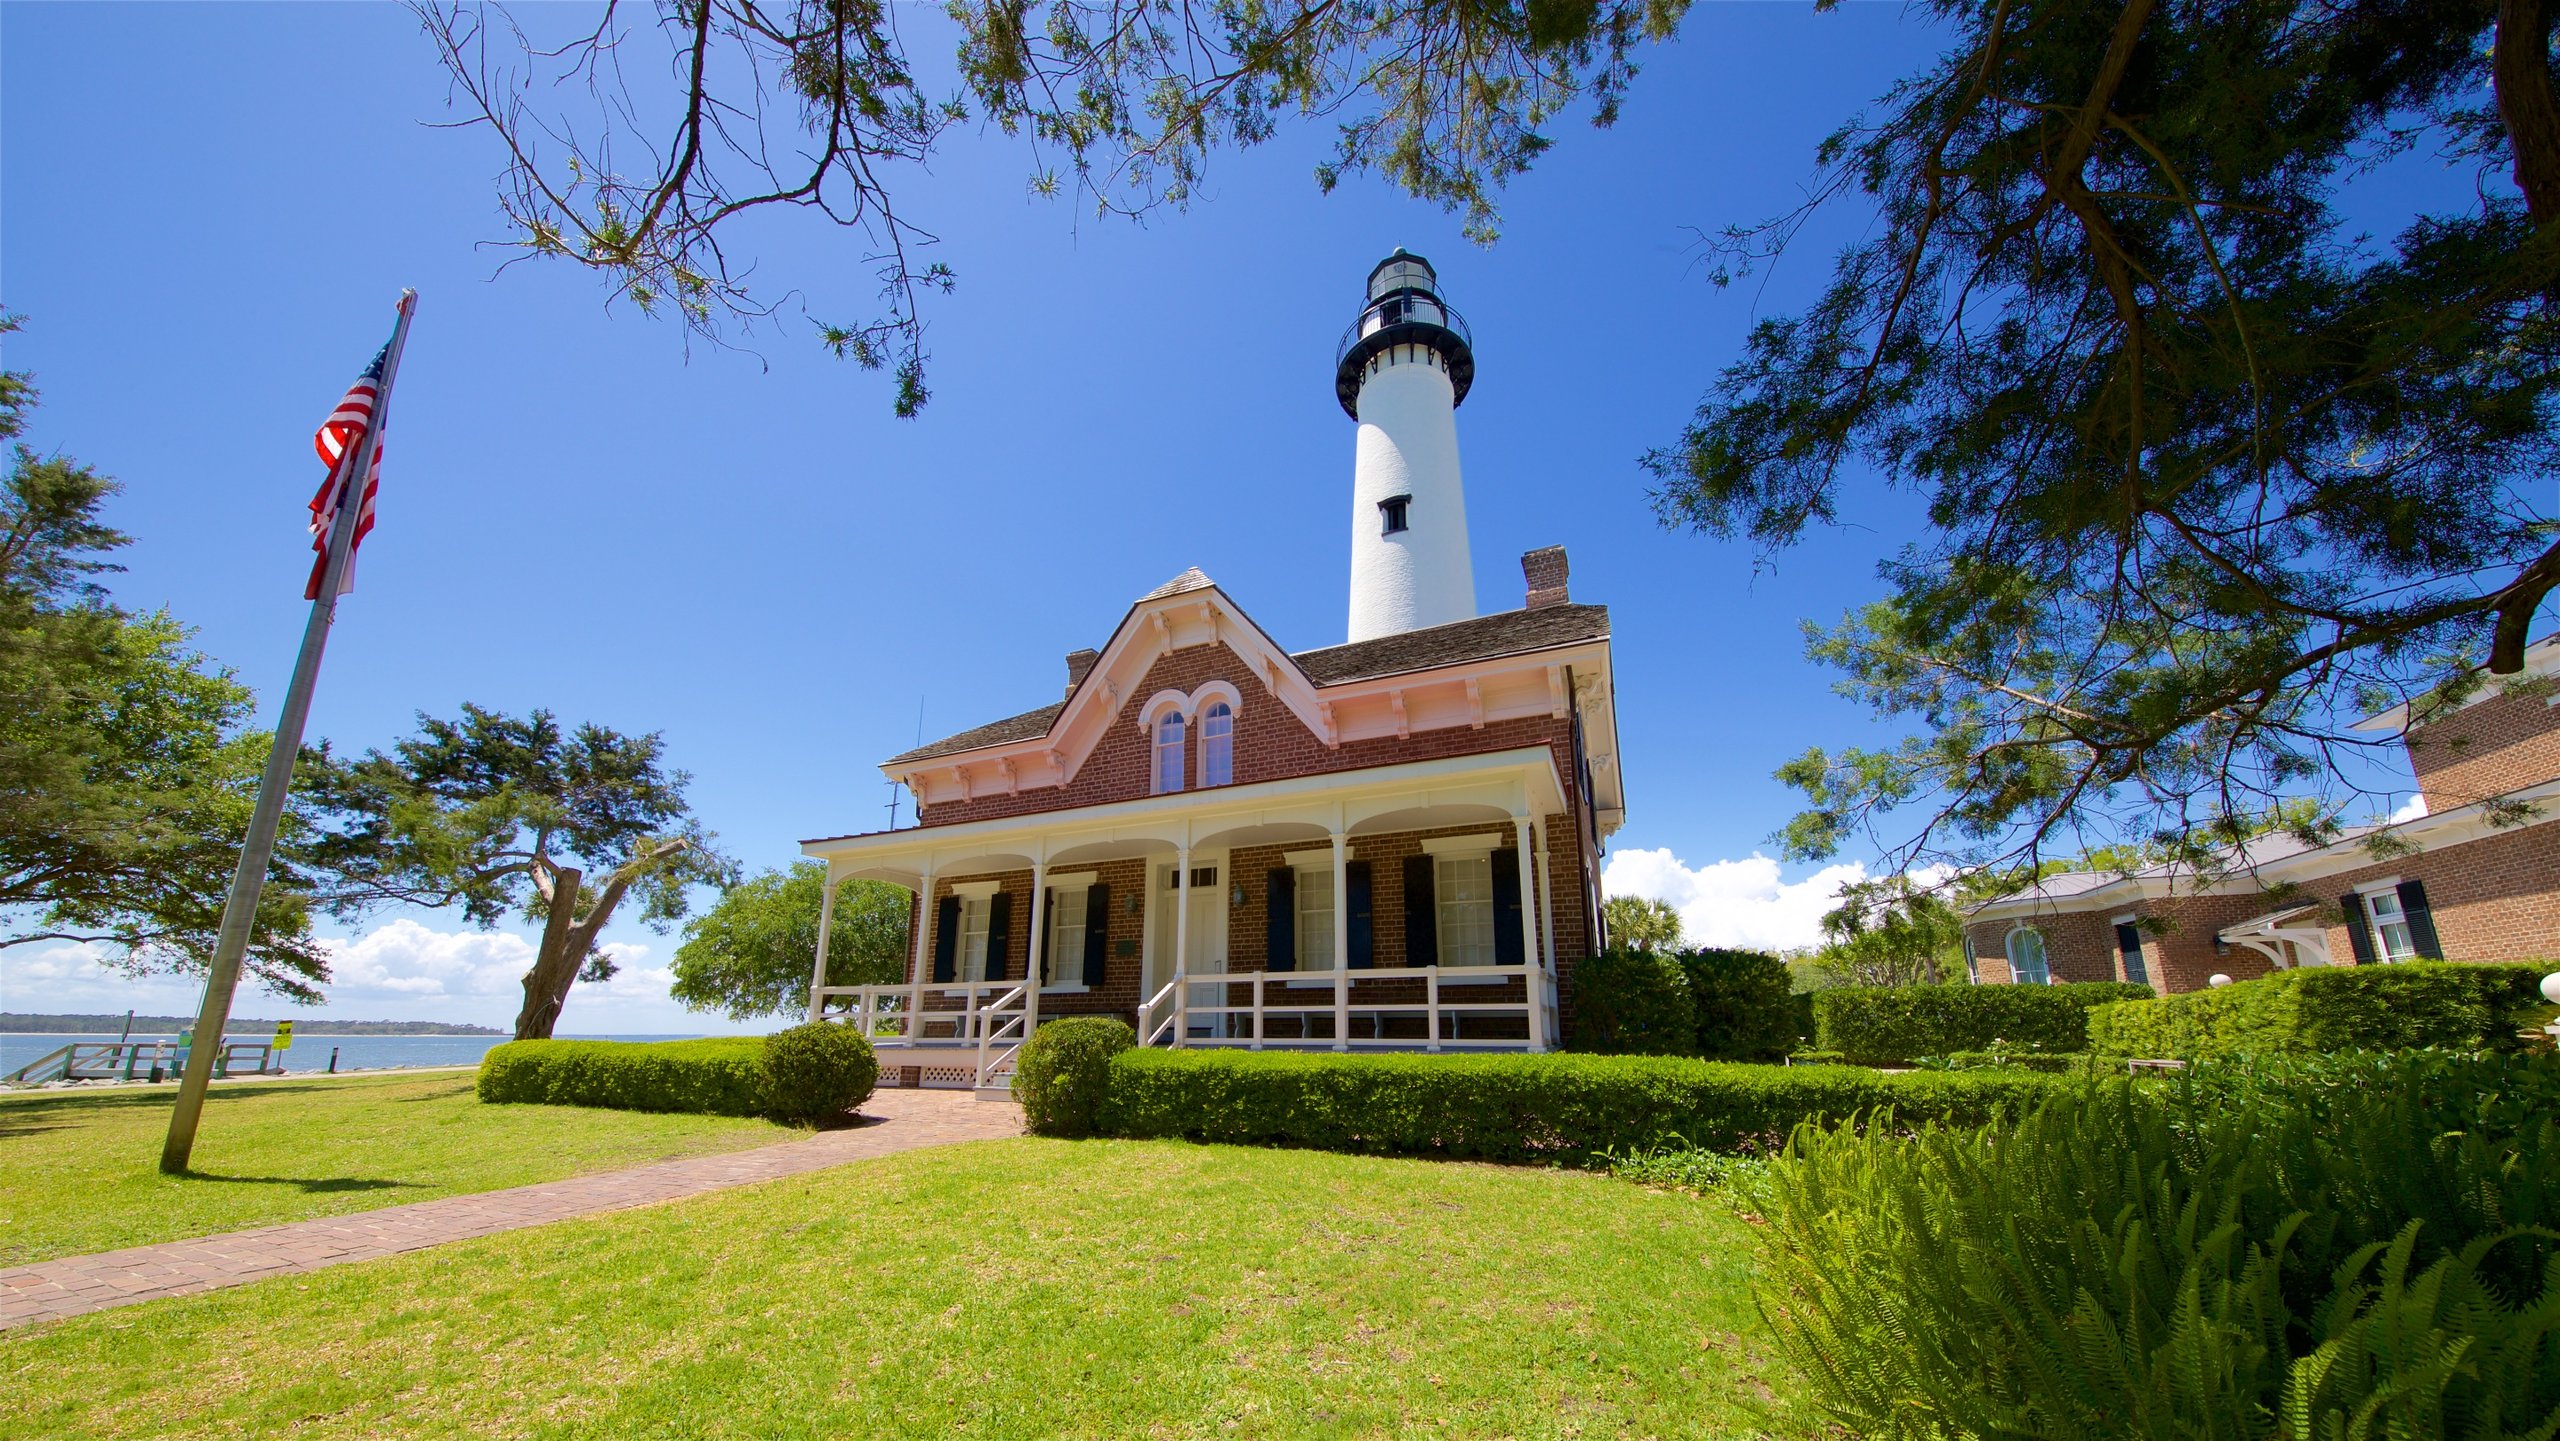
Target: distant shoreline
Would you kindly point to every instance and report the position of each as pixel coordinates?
(35, 1023)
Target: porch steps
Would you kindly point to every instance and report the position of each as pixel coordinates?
(996, 1088)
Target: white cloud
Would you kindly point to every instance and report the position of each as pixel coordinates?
(403, 970)
(1744, 903)
(2410, 809)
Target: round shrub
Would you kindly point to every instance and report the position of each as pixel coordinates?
(1633, 1003)
(1064, 1070)
(1745, 1003)
(818, 1072)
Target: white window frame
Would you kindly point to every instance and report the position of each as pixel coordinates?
(2375, 926)
(1076, 884)
(1442, 857)
(976, 914)
(1160, 749)
(2044, 956)
(1314, 923)
(1217, 729)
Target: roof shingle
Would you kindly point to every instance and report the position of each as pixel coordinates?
(1509, 632)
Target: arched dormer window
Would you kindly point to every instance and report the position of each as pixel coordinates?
(1218, 744)
(1168, 769)
(2027, 965)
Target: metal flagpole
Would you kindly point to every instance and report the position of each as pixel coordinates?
(240, 911)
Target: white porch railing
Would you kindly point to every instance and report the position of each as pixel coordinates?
(1174, 1015)
(934, 1013)
(1307, 1009)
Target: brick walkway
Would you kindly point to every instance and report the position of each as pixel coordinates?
(900, 1120)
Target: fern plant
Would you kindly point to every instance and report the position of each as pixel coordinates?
(2360, 1248)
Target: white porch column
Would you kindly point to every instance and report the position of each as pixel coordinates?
(1181, 945)
(1341, 942)
(1547, 968)
(924, 948)
(1034, 959)
(826, 924)
(1533, 983)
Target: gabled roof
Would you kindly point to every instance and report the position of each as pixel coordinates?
(1022, 727)
(1511, 632)
(1507, 632)
(1190, 579)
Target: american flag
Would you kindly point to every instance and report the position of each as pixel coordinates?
(345, 427)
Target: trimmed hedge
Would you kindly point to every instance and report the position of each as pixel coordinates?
(1064, 1070)
(791, 1075)
(2453, 1005)
(1892, 1025)
(1519, 1107)
(1633, 1003)
(1745, 1004)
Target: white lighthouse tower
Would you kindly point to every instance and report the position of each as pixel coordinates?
(1403, 368)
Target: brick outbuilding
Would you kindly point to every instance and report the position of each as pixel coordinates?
(2476, 877)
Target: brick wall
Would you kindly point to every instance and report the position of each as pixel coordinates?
(1270, 744)
(2493, 899)
(2488, 748)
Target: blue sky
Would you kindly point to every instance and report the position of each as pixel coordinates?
(207, 211)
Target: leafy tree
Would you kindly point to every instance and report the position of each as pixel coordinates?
(1892, 932)
(1639, 924)
(126, 770)
(750, 953)
(2213, 456)
(501, 816)
(2209, 469)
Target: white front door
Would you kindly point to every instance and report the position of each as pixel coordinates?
(1207, 938)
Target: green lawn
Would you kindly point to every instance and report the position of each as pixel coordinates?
(1022, 1288)
(79, 1171)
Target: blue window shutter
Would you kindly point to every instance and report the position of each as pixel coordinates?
(1097, 931)
(1358, 932)
(1506, 908)
(1421, 913)
(1280, 932)
(1040, 938)
(946, 939)
(2422, 921)
(2359, 928)
(999, 926)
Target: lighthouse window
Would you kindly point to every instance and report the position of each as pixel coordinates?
(1169, 753)
(1217, 745)
(1392, 512)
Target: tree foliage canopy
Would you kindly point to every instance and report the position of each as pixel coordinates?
(2209, 468)
(749, 954)
(1638, 923)
(507, 815)
(127, 771)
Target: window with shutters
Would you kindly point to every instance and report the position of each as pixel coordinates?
(1465, 886)
(1972, 963)
(1217, 745)
(973, 936)
(1315, 917)
(2026, 958)
(1168, 769)
(1065, 967)
(2391, 938)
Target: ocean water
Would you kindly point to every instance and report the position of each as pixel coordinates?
(311, 1053)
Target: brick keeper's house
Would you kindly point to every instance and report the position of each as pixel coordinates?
(1392, 843)
(2466, 889)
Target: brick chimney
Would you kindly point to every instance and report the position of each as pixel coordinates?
(1078, 662)
(1546, 571)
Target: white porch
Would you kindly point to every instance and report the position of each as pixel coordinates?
(1190, 991)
